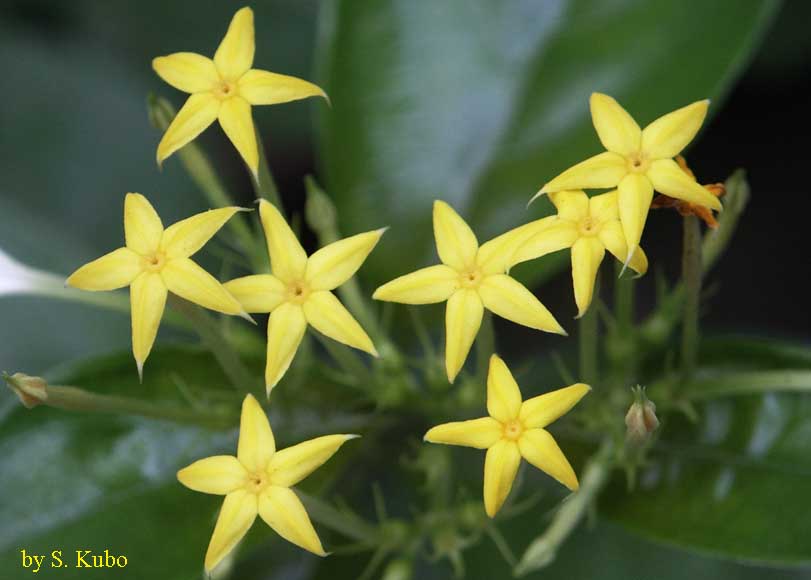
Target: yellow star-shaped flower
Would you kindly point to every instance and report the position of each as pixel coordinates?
(154, 262)
(224, 89)
(514, 429)
(257, 482)
(637, 162)
(299, 291)
(589, 226)
(470, 278)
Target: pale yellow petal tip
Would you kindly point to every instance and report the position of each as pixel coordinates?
(140, 365)
(572, 485)
(427, 437)
(247, 317)
(541, 192)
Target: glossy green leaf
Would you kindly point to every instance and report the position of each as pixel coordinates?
(735, 483)
(480, 103)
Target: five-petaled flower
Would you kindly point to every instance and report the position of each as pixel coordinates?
(589, 226)
(224, 89)
(470, 278)
(299, 291)
(154, 262)
(514, 429)
(637, 162)
(257, 482)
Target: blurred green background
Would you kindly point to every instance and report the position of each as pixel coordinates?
(478, 103)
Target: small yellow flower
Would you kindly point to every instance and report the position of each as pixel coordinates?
(154, 262)
(224, 89)
(470, 278)
(257, 482)
(589, 226)
(685, 208)
(637, 162)
(514, 429)
(299, 291)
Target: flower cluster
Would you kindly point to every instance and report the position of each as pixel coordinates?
(298, 291)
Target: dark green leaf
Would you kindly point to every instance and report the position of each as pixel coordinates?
(479, 103)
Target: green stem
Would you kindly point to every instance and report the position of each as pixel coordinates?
(211, 335)
(263, 183)
(485, 346)
(202, 172)
(348, 524)
(624, 302)
(542, 551)
(691, 275)
(76, 399)
(588, 328)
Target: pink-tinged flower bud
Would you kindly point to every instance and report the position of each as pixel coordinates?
(641, 419)
(32, 391)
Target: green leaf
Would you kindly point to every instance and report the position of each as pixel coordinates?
(735, 483)
(481, 103)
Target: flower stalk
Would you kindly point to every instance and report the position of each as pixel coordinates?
(691, 275)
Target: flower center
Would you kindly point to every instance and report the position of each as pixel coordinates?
(637, 163)
(154, 263)
(224, 90)
(513, 429)
(470, 279)
(297, 292)
(589, 227)
(257, 481)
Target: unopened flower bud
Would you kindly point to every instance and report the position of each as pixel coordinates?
(32, 391)
(641, 419)
(399, 569)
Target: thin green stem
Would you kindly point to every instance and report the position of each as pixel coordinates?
(211, 334)
(263, 183)
(346, 523)
(588, 329)
(691, 275)
(485, 345)
(542, 551)
(623, 301)
(201, 170)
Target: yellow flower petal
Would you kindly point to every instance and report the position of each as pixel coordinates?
(114, 270)
(613, 238)
(540, 449)
(603, 207)
(503, 394)
(425, 286)
(286, 328)
(479, 433)
(236, 517)
(572, 204)
(540, 411)
(509, 299)
(587, 255)
(184, 238)
(635, 196)
(496, 255)
(142, 225)
(336, 263)
(287, 258)
(187, 71)
(189, 281)
(598, 172)
(237, 122)
(234, 56)
(500, 466)
(259, 293)
(668, 178)
(557, 235)
(463, 317)
(260, 87)
(256, 445)
(456, 243)
(289, 466)
(194, 117)
(283, 511)
(147, 301)
(220, 475)
(617, 130)
(669, 134)
(329, 317)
